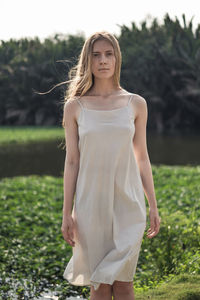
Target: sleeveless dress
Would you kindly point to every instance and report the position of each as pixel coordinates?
(109, 209)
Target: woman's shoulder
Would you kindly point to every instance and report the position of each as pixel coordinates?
(71, 107)
(138, 101)
(135, 96)
(70, 104)
(138, 98)
(138, 104)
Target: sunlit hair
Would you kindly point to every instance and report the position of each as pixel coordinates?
(80, 76)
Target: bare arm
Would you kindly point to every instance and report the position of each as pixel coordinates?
(71, 169)
(69, 182)
(142, 157)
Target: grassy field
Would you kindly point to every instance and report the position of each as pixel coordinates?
(180, 287)
(33, 253)
(27, 134)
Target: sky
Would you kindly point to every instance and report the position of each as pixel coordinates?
(44, 18)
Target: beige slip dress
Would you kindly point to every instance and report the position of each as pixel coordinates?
(109, 206)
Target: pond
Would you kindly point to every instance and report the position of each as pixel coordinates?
(47, 158)
(22, 288)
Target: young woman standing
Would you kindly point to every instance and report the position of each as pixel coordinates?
(107, 168)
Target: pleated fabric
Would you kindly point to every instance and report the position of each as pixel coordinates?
(109, 208)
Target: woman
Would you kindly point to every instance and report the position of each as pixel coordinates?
(107, 167)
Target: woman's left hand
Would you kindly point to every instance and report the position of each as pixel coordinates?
(154, 223)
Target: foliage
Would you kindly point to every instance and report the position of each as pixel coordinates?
(26, 134)
(161, 62)
(33, 254)
(29, 65)
(180, 287)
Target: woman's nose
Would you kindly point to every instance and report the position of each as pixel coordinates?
(103, 59)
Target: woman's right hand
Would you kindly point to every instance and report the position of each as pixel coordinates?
(67, 230)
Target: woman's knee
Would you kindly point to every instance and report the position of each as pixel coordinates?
(122, 287)
(103, 290)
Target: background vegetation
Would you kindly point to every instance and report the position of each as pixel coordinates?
(33, 253)
(12, 135)
(160, 62)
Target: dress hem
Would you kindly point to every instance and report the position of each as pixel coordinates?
(95, 284)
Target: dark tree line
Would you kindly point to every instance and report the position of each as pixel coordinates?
(159, 62)
(163, 64)
(29, 65)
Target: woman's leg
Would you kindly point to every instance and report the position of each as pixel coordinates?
(123, 290)
(104, 292)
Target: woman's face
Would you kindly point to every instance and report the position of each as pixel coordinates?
(103, 59)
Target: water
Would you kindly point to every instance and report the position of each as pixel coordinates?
(177, 149)
(51, 296)
(34, 158)
(29, 290)
(47, 158)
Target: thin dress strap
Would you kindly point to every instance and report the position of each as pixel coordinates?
(130, 98)
(131, 112)
(79, 102)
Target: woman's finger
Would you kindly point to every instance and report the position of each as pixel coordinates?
(67, 238)
(153, 231)
(71, 235)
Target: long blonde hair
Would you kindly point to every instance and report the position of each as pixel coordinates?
(80, 76)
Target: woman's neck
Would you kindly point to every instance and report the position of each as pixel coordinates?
(103, 89)
(105, 93)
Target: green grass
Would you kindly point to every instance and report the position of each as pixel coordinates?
(181, 287)
(32, 247)
(25, 134)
